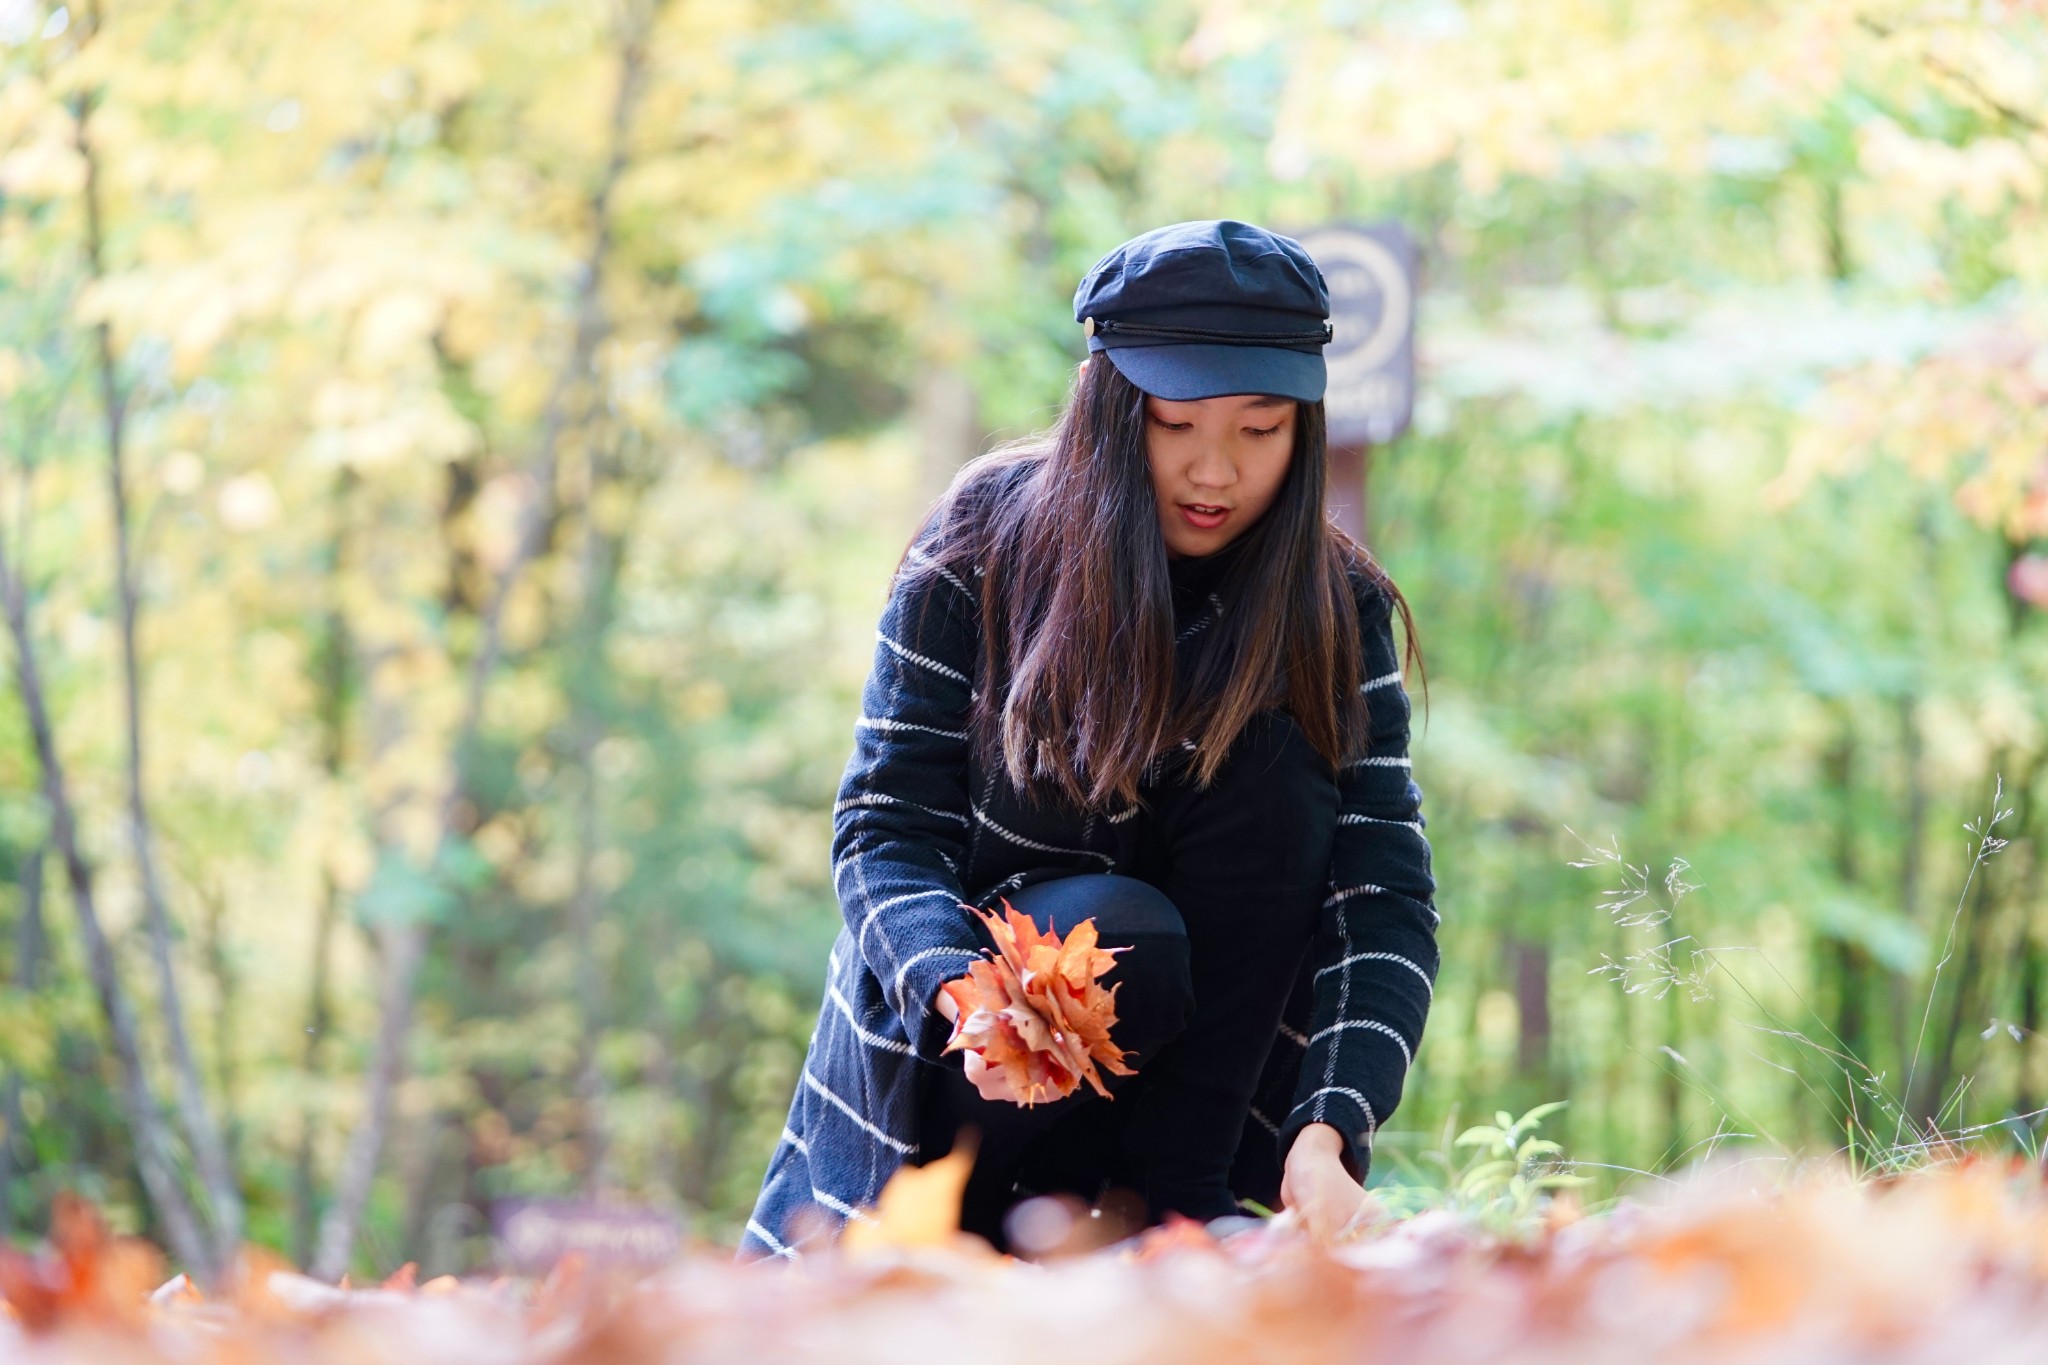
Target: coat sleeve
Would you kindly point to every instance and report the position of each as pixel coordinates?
(1375, 952)
(900, 826)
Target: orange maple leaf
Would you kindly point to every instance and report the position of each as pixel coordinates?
(93, 1275)
(1035, 1010)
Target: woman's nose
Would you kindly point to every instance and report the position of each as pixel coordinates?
(1213, 468)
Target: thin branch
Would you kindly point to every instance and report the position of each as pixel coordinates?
(1971, 84)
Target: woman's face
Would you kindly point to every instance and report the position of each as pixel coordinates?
(1217, 464)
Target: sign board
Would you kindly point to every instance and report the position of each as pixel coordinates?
(533, 1234)
(1371, 271)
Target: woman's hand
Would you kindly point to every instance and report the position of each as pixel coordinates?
(1318, 1188)
(993, 1085)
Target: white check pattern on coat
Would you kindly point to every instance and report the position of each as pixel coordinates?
(911, 843)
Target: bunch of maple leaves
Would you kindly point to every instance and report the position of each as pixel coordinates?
(1728, 1263)
(1036, 1011)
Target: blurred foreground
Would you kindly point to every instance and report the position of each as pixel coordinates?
(1949, 1263)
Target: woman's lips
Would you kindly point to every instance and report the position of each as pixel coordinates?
(1204, 516)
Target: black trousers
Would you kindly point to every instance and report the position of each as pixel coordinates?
(1226, 887)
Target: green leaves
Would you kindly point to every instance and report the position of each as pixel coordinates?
(402, 892)
(1509, 1171)
(1504, 1182)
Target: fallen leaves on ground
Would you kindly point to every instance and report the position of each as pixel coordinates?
(1730, 1263)
(919, 1207)
(1035, 1011)
(87, 1275)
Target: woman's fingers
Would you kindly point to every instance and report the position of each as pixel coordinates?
(1341, 1207)
(992, 1084)
(1325, 1211)
(1324, 1196)
(1369, 1212)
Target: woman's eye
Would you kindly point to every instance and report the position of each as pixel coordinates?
(1171, 426)
(1262, 431)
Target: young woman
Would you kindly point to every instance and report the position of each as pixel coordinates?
(1130, 671)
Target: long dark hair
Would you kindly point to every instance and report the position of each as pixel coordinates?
(1078, 689)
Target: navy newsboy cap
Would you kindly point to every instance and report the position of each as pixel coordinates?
(1197, 310)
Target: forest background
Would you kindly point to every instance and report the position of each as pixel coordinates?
(452, 454)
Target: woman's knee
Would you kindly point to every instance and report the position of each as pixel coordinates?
(1154, 985)
(1118, 905)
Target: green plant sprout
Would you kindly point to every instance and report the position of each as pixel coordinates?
(1499, 1174)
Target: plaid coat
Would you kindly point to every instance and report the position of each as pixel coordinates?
(919, 828)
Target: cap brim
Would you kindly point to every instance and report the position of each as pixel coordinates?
(1197, 370)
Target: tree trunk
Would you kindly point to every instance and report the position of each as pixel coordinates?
(1926, 1097)
(2026, 878)
(226, 1024)
(2030, 878)
(1913, 748)
(404, 944)
(210, 1152)
(1673, 1082)
(1531, 963)
(1834, 229)
(28, 958)
(336, 654)
(312, 1061)
(660, 1077)
(707, 1096)
(416, 1176)
(153, 1141)
(1999, 887)
(599, 555)
(583, 918)
(2033, 968)
(1847, 962)
(401, 947)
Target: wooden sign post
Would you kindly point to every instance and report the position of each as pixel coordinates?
(1371, 271)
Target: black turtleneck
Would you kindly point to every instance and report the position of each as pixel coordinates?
(1196, 576)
